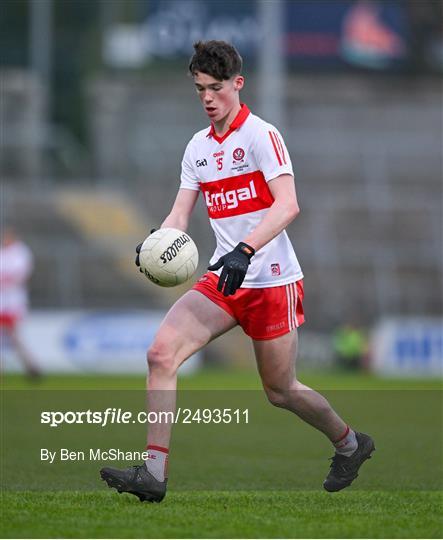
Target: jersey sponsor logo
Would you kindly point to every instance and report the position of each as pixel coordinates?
(230, 199)
(236, 195)
(238, 154)
(275, 269)
(201, 162)
(218, 154)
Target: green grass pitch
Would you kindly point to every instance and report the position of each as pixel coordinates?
(260, 480)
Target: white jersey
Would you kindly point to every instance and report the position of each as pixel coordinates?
(233, 172)
(16, 263)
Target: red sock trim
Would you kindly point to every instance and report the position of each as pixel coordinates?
(158, 448)
(348, 429)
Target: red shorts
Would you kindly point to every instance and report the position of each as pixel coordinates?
(8, 320)
(262, 313)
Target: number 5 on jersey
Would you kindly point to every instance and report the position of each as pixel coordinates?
(219, 161)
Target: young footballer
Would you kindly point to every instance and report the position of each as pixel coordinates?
(243, 169)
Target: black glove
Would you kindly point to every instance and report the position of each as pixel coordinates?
(235, 265)
(137, 249)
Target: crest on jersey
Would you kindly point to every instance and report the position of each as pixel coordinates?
(275, 269)
(238, 154)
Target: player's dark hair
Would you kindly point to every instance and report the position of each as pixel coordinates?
(217, 59)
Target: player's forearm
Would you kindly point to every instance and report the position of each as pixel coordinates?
(181, 211)
(274, 222)
(176, 221)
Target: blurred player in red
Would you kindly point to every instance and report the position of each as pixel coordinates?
(243, 169)
(16, 263)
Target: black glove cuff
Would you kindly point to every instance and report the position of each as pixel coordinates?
(246, 250)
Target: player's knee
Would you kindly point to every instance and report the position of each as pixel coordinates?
(276, 397)
(161, 358)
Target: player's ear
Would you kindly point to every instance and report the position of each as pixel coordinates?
(239, 82)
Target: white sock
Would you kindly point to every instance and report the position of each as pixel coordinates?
(347, 444)
(157, 462)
